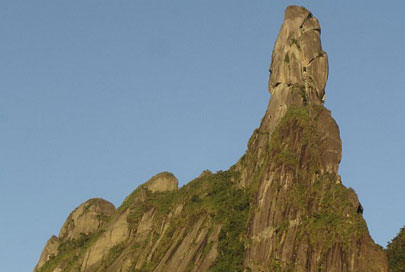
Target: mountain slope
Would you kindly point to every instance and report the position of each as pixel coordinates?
(281, 207)
(396, 252)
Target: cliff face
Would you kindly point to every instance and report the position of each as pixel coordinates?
(281, 207)
(303, 219)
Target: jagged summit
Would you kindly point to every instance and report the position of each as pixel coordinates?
(298, 76)
(298, 58)
(299, 66)
(280, 208)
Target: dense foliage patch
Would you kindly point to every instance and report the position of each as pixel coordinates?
(70, 251)
(328, 209)
(214, 198)
(396, 252)
(232, 206)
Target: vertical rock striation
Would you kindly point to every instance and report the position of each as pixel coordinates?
(303, 218)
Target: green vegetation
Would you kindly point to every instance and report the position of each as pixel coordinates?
(213, 198)
(232, 206)
(282, 227)
(130, 200)
(285, 147)
(113, 254)
(287, 58)
(162, 202)
(295, 41)
(300, 90)
(70, 252)
(396, 252)
(329, 208)
(335, 220)
(134, 197)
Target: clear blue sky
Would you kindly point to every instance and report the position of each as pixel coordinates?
(98, 96)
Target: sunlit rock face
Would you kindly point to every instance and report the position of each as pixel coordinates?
(162, 182)
(299, 66)
(304, 218)
(90, 217)
(86, 219)
(298, 57)
(50, 251)
(281, 207)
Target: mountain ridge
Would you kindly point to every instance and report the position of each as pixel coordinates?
(281, 207)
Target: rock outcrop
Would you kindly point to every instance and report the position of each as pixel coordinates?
(281, 207)
(86, 220)
(299, 67)
(162, 182)
(49, 252)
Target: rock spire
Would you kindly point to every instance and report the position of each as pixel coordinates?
(304, 218)
(299, 66)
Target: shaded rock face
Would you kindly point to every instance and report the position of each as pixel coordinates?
(281, 207)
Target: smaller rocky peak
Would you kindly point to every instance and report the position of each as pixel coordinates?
(205, 173)
(85, 220)
(162, 182)
(89, 217)
(50, 251)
